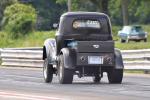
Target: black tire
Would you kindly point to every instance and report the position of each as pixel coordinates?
(123, 41)
(96, 79)
(145, 40)
(138, 40)
(47, 71)
(65, 75)
(115, 76)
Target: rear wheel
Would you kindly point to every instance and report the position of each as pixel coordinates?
(65, 75)
(96, 79)
(145, 40)
(47, 71)
(115, 76)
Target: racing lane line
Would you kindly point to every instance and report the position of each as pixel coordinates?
(25, 96)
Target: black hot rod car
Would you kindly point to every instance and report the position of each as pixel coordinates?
(83, 46)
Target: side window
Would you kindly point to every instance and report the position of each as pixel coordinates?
(133, 30)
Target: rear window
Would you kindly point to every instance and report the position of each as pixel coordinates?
(90, 24)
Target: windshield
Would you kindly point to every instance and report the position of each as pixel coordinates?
(126, 29)
(138, 29)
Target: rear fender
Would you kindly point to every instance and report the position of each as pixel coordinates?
(49, 49)
(69, 58)
(118, 60)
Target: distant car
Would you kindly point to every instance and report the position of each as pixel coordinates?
(134, 33)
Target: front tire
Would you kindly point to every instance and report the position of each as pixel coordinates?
(47, 71)
(115, 76)
(127, 40)
(65, 75)
(123, 41)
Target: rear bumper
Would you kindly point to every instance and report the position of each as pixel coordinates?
(136, 38)
(107, 59)
(103, 50)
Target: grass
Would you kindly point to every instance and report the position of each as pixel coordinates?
(132, 45)
(37, 38)
(34, 39)
(136, 71)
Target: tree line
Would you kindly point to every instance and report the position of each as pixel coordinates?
(122, 12)
(49, 11)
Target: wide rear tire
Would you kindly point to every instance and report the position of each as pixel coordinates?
(65, 75)
(96, 79)
(115, 76)
(47, 71)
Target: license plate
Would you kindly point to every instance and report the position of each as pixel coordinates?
(95, 60)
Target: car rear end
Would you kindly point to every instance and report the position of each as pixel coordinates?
(92, 40)
(96, 55)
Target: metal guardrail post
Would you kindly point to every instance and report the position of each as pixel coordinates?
(0, 56)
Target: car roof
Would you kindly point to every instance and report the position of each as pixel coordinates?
(80, 13)
(132, 26)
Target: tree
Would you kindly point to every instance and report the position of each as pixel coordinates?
(19, 19)
(143, 12)
(48, 12)
(3, 5)
(115, 12)
(69, 5)
(102, 5)
(124, 4)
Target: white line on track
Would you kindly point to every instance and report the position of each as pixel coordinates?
(15, 95)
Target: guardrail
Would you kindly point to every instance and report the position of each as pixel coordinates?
(136, 59)
(32, 57)
(22, 57)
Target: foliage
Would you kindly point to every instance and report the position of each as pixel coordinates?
(115, 12)
(3, 5)
(49, 12)
(83, 6)
(139, 11)
(19, 19)
(89, 5)
(115, 30)
(34, 39)
(143, 11)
